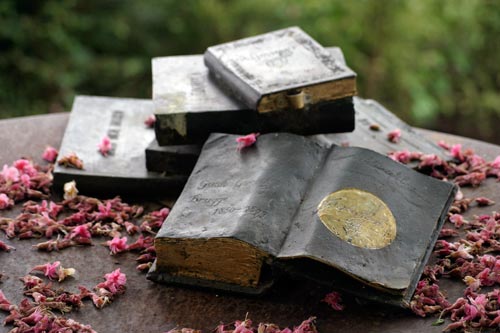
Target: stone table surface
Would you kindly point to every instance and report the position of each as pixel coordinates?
(148, 307)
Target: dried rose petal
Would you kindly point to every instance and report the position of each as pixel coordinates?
(247, 140)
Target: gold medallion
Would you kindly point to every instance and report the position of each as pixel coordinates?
(358, 217)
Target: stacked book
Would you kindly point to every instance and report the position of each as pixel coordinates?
(296, 202)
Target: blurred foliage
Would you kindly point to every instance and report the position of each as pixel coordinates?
(434, 63)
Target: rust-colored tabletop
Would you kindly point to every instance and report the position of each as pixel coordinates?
(148, 307)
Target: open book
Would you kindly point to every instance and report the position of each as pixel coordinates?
(291, 203)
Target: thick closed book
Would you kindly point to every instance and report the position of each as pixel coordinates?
(123, 169)
(189, 105)
(373, 123)
(280, 70)
(343, 216)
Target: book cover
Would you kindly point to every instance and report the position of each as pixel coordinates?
(280, 70)
(123, 170)
(189, 106)
(341, 215)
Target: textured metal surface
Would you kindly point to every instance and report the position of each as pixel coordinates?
(189, 106)
(148, 307)
(124, 169)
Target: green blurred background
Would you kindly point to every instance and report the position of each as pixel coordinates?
(434, 63)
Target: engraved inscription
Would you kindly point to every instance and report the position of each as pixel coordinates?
(211, 202)
(114, 129)
(253, 211)
(359, 218)
(204, 185)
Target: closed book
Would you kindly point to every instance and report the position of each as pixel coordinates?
(123, 170)
(189, 105)
(343, 216)
(373, 123)
(280, 70)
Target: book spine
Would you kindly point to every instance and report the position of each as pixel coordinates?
(231, 83)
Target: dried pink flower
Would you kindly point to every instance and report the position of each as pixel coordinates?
(247, 140)
(48, 269)
(54, 271)
(25, 167)
(10, 174)
(105, 146)
(458, 220)
(456, 152)
(5, 247)
(50, 154)
(71, 161)
(115, 281)
(5, 201)
(150, 121)
(496, 163)
(81, 231)
(394, 136)
(334, 299)
(483, 201)
(117, 245)
(26, 180)
(443, 145)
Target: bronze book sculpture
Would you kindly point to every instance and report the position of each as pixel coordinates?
(189, 105)
(123, 170)
(293, 204)
(280, 70)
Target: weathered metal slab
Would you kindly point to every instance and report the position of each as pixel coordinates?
(123, 171)
(269, 195)
(176, 159)
(280, 70)
(189, 106)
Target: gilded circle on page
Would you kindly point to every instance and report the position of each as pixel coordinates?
(358, 217)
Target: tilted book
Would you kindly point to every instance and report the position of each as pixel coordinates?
(189, 105)
(343, 216)
(280, 70)
(123, 170)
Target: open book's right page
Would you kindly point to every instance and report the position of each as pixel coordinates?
(369, 217)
